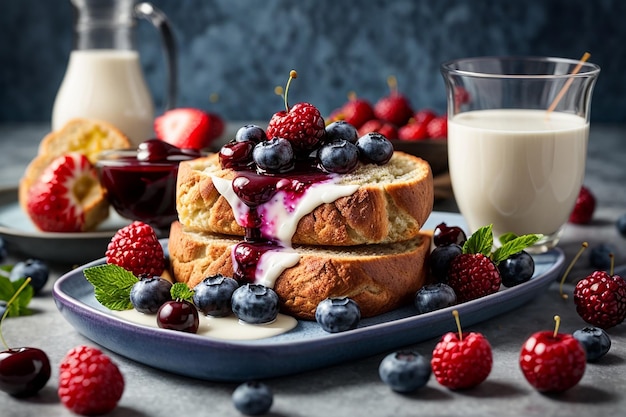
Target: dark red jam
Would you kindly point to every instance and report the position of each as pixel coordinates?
(255, 190)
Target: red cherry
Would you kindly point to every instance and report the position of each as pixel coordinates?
(552, 361)
(23, 371)
(178, 315)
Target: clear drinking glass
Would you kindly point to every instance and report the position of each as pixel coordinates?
(517, 141)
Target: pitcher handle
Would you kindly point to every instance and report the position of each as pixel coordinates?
(159, 20)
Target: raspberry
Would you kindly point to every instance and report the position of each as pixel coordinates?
(437, 127)
(473, 276)
(89, 382)
(136, 248)
(601, 299)
(462, 363)
(552, 363)
(584, 207)
(302, 125)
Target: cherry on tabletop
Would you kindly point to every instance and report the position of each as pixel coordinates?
(24, 371)
(552, 361)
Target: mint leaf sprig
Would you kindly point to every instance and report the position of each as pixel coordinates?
(481, 241)
(180, 291)
(112, 285)
(9, 289)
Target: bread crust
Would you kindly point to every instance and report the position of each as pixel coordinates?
(379, 278)
(380, 211)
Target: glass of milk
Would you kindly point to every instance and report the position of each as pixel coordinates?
(517, 141)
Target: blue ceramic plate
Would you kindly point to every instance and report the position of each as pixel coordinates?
(304, 348)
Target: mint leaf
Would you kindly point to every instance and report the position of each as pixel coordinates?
(481, 241)
(8, 288)
(112, 285)
(513, 246)
(180, 291)
(507, 237)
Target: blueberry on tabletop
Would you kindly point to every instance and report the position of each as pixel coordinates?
(3, 307)
(253, 398)
(338, 314)
(339, 156)
(600, 256)
(255, 304)
(213, 294)
(621, 224)
(440, 259)
(149, 293)
(405, 371)
(36, 269)
(252, 133)
(374, 148)
(341, 130)
(434, 297)
(595, 341)
(275, 155)
(516, 269)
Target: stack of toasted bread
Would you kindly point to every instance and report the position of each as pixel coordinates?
(367, 246)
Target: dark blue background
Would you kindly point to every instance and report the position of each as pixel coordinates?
(241, 49)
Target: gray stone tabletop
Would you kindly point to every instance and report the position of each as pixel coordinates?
(354, 388)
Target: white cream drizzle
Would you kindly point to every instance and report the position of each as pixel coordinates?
(280, 220)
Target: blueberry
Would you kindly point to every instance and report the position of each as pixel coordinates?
(255, 304)
(3, 250)
(338, 314)
(253, 398)
(212, 295)
(341, 130)
(404, 371)
(35, 269)
(250, 133)
(3, 307)
(595, 341)
(440, 259)
(275, 155)
(374, 148)
(339, 156)
(599, 256)
(149, 293)
(621, 224)
(516, 269)
(434, 297)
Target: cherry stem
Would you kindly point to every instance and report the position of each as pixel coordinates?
(557, 320)
(6, 312)
(569, 268)
(292, 74)
(455, 313)
(392, 82)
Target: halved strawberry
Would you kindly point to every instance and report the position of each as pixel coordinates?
(187, 128)
(68, 196)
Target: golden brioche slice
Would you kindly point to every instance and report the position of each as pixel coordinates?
(86, 136)
(391, 204)
(379, 278)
